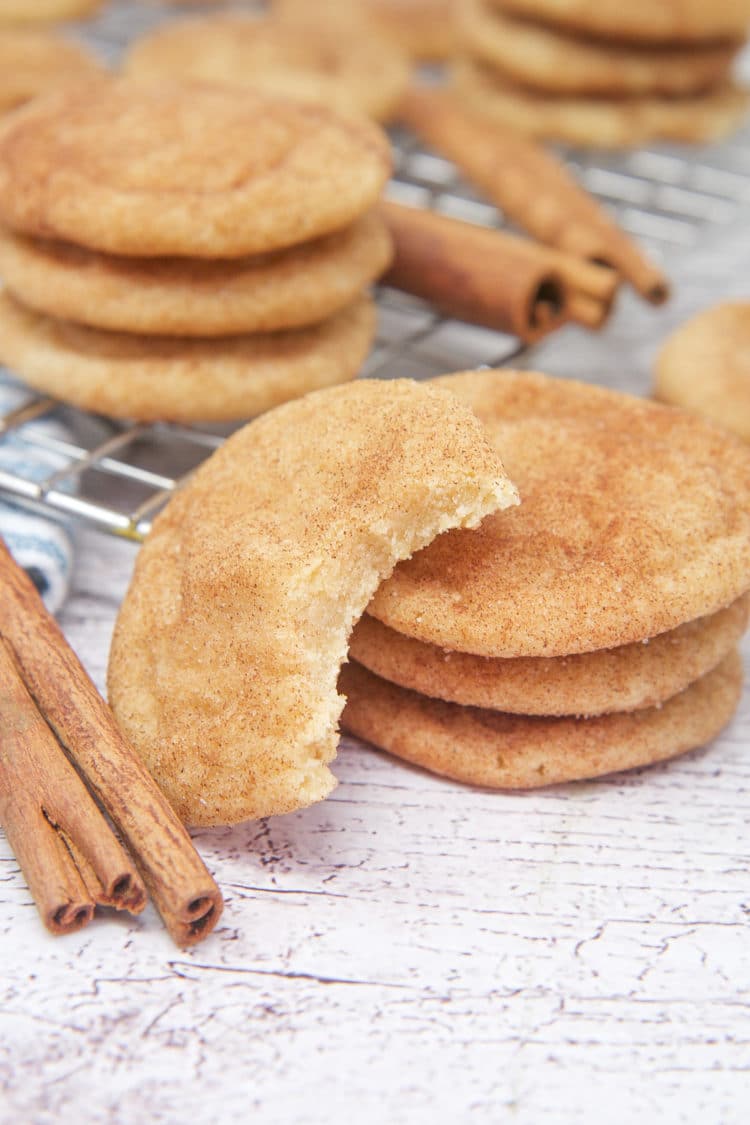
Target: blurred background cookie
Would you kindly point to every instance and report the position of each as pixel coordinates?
(639, 20)
(45, 11)
(600, 121)
(33, 62)
(424, 29)
(547, 58)
(339, 66)
(608, 74)
(705, 366)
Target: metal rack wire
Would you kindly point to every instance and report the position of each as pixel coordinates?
(118, 476)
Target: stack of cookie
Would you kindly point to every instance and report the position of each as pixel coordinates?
(592, 629)
(174, 252)
(610, 74)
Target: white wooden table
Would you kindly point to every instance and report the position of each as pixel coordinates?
(412, 950)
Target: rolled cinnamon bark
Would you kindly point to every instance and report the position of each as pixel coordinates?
(44, 805)
(483, 276)
(531, 186)
(182, 889)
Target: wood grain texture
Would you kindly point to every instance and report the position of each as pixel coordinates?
(407, 950)
(412, 950)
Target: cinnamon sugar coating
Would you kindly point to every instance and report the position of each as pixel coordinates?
(184, 169)
(635, 518)
(228, 645)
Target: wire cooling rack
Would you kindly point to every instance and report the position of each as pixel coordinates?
(118, 476)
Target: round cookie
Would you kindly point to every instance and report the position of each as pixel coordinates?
(640, 20)
(33, 62)
(424, 29)
(151, 169)
(600, 122)
(180, 296)
(45, 11)
(705, 366)
(344, 67)
(629, 678)
(178, 379)
(228, 645)
(548, 59)
(634, 519)
(502, 751)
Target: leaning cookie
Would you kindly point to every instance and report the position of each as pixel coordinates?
(629, 678)
(181, 379)
(194, 297)
(705, 366)
(600, 121)
(151, 169)
(227, 648)
(504, 751)
(548, 59)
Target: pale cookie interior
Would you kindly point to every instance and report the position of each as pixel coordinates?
(227, 649)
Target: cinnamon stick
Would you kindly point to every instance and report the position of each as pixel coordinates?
(184, 892)
(531, 186)
(587, 311)
(43, 805)
(475, 274)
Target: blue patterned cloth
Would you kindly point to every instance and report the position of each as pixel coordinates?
(40, 543)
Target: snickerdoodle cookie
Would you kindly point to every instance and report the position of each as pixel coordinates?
(705, 366)
(33, 62)
(607, 122)
(343, 67)
(640, 20)
(184, 169)
(635, 518)
(181, 379)
(629, 678)
(302, 285)
(45, 11)
(549, 59)
(504, 751)
(228, 645)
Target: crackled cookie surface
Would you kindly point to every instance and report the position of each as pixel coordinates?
(635, 518)
(164, 168)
